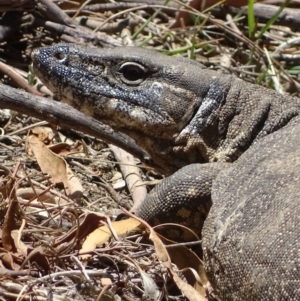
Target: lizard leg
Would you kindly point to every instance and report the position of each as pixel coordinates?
(182, 198)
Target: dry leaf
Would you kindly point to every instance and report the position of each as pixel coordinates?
(102, 234)
(42, 195)
(88, 223)
(150, 288)
(106, 281)
(44, 133)
(164, 257)
(64, 149)
(55, 166)
(9, 225)
(183, 258)
(7, 259)
(6, 182)
(21, 247)
(35, 255)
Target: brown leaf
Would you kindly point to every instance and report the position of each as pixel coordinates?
(103, 233)
(42, 195)
(185, 258)
(6, 182)
(55, 166)
(7, 259)
(9, 225)
(44, 133)
(106, 281)
(34, 255)
(64, 149)
(164, 257)
(88, 223)
(21, 247)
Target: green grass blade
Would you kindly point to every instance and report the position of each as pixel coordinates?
(273, 19)
(251, 19)
(151, 18)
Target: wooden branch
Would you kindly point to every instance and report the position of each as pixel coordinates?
(288, 17)
(65, 116)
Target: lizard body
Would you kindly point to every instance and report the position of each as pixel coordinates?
(181, 113)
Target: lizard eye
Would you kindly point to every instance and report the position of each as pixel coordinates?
(132, 73)
(60, 56)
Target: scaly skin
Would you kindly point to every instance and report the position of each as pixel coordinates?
(177, 110)
(182, 113)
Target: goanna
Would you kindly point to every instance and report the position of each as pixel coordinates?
(245, 137)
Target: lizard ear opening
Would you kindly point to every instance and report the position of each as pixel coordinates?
(132, 73)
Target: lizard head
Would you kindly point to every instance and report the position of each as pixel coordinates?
(146, 95)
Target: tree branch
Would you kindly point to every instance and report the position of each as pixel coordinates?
(65, 116)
